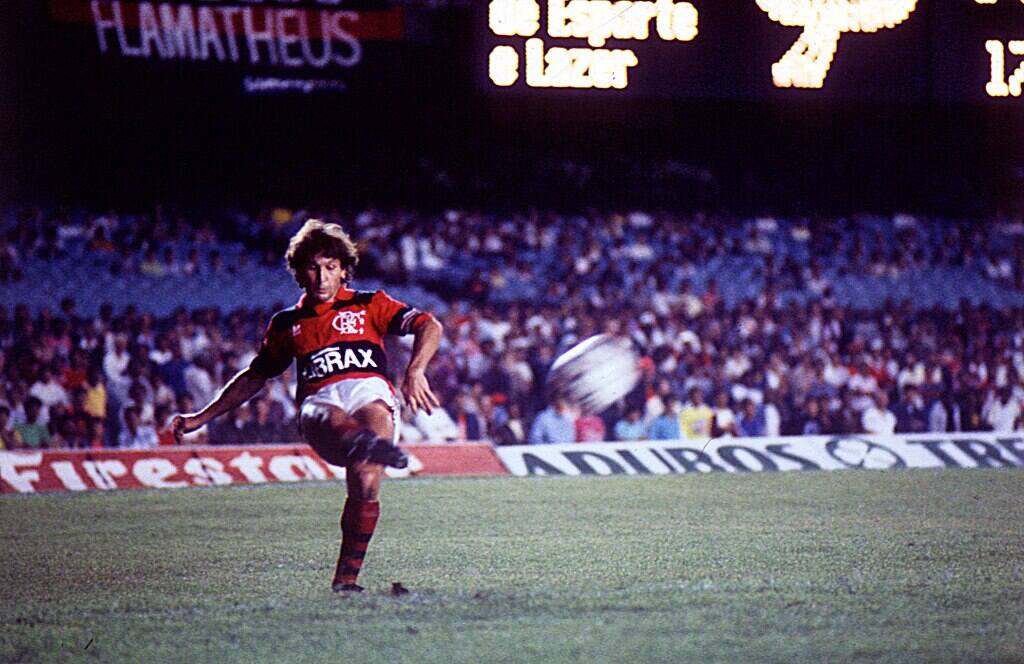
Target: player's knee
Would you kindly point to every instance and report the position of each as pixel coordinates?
(376, 417)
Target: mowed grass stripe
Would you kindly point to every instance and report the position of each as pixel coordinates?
(853, 566)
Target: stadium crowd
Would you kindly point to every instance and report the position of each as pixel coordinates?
(714, 364)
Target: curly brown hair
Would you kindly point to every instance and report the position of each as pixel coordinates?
(316, 237)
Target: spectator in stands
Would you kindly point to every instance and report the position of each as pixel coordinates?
(555, 424)
(32, 432)
(162, 416)
(192, 265)
(750, 422)
(75, 425)
(135, 435)
(656, 404)
(170, 266)
(863, 384)
(95, 394)
(810, 421)
(14, 399)
(229, 430)
(163, 395)
(878, 419)
(846, 418)
(115, 361)
(9, 438)
(491, 410)
(161, 353)
(260, 428)
(945, 415)
(97, 435)
(631, 426)
(590, 429)
(199, 378)
(513, 431)
(666, 425)
(1002, 413)
(57, 340)
(150, 266)
(100, 243)
(77, 372)
(911, 412)
(695, 417)
(467, 421)
(724, 422)
(57, 415)
(49, 391)
(139, 399)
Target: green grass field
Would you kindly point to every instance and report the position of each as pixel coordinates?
(912, 566)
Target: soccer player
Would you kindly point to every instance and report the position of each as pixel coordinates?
(348, 411)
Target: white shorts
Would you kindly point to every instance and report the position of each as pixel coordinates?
(352, 394)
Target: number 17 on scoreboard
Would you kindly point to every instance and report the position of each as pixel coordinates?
(999, 85)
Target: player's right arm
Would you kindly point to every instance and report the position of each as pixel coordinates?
(274, 356)
(244, 386)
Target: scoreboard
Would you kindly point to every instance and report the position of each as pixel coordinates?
(889, 50)
(893, 50)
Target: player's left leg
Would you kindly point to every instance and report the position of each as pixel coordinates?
(362, 506)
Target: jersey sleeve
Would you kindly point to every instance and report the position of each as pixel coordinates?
(390, 316)
(275, 354)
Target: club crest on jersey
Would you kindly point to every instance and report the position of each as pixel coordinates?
(349, 322)
(296, 330)
(333, 360)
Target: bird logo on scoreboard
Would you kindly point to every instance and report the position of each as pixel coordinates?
(806, 63)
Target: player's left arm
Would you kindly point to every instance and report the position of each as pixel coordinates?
(389, 316)
(427, 333)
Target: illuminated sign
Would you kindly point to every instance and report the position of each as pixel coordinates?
(753, 49)
(1000, 85)
(289, 37)
(276, 44)
(596, 21)
(806, 63)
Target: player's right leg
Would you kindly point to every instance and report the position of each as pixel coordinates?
(362, 444)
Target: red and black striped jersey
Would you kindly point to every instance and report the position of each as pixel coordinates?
(334, 340)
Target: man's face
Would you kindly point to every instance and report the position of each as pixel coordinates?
(323, 277)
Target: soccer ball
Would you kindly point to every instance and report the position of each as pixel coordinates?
(595, 373)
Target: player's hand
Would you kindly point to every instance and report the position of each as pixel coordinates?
(417, 392)
(182, 424)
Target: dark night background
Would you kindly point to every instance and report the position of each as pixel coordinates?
(83, 128)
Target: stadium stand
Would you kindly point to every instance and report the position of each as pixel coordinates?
(781, 325)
